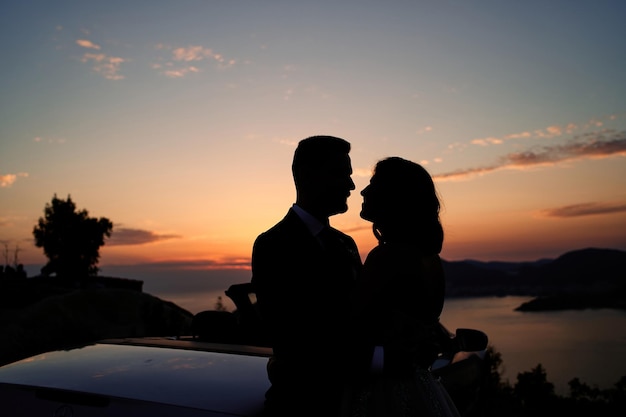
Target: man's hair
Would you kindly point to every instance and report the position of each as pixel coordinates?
(315, 152)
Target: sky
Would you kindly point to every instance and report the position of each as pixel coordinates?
(177, 120)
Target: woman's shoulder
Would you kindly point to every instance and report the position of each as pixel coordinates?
(399, 250)
(379, 253)
(398, 257)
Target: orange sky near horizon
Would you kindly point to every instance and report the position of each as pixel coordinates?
(519, 219)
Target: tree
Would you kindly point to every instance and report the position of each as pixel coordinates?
(536, 392)
(70, 239)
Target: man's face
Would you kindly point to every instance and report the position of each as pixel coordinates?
(334, 185)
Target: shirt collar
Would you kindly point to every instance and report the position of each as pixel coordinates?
(313, 224)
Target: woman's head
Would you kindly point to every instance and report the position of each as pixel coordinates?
(401, 201)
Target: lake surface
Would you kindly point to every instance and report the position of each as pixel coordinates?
(588, 344)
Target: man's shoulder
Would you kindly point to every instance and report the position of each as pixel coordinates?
(289, 226)
(343, 236)
(340, 233)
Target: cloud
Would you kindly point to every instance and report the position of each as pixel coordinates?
(287, 70)
(190, 54)
(363, 172)
(355, 229)
(87, 44)
(595, 123)
(199, 53)
(594, 145)
(8, 180)
(521, 135)
(205, 264)
(287, 142)
(425, 129)
(179, 73)
(106, 65)
(549, 132)
(585, 209)
(487, 141)
(597, 145)
(546, 133)
(127, 236)
(457, 146)
(461, 174)
(39, 139)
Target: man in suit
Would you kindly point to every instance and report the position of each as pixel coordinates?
(303, 272)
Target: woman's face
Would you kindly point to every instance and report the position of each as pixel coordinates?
(373, 205)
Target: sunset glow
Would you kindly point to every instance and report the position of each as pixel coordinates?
(178, 120)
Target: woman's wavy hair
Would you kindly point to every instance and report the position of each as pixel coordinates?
(412, 205)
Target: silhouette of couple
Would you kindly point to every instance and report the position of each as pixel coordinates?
(352, 339)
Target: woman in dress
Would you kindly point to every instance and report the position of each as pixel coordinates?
(400, 297)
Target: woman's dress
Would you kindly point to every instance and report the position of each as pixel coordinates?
(397, 307)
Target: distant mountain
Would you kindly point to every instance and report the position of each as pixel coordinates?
(585, 271)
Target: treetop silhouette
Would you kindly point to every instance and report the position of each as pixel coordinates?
(70, 239)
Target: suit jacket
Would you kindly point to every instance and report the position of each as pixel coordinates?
(303, 292)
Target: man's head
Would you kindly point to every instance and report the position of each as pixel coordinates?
(321, 171)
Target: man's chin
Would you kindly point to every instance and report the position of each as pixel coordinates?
(340, 210)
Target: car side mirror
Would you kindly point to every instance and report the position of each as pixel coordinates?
(471, 340)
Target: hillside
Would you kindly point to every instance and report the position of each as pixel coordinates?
(586, 278)
(56, 318)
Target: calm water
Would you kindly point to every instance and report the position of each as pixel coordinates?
(588, 344)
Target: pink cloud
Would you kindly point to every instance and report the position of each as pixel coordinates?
(585, 209)
(128, 236)
(87, 44)
(594, 145)
(105, 65)
(8, 180)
